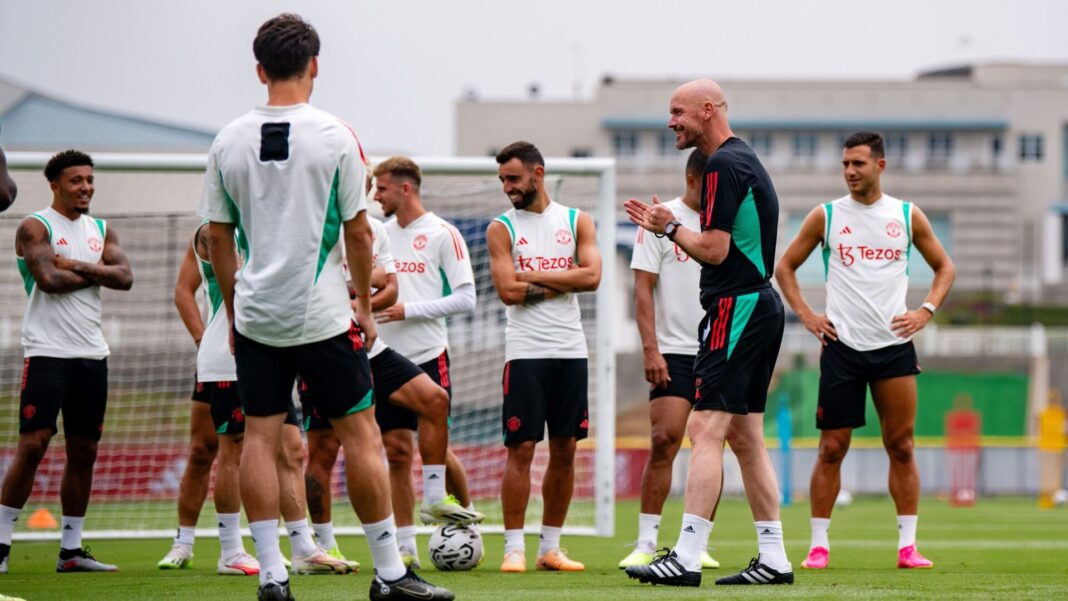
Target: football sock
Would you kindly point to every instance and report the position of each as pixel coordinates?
(71, 532)
(513, 541)
(325, 534)
(9, 516)
(769, 540)
(648, 529)
(906, 530)
(693, 535)
(382, 538)
(433, 483)
(406, 538)
(549, 539)
(820, 526)
(300, 539)
(186, 536)
(229, 534)
(265, 540)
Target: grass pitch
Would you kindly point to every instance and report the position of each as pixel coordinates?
(1000, 549)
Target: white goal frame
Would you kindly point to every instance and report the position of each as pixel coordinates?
(606, 302)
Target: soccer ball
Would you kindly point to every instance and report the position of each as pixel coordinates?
(845, 498)
(455, 548)
(1060, 497)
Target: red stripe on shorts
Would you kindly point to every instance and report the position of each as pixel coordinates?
(443, 370)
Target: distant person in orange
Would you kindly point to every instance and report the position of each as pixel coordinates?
(1051, 445)
(866, 332)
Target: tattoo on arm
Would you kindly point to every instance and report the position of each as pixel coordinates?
(535, 294)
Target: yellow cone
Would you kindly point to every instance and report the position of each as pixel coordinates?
(42, 519)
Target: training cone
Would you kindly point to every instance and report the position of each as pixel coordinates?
(42, 519)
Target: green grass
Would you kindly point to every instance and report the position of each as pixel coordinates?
(1001, 549)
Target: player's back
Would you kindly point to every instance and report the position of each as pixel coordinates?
(288, 176)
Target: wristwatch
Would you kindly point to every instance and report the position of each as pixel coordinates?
(672, 227)
(930, 307)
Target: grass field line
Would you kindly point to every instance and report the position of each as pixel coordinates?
(929, 543)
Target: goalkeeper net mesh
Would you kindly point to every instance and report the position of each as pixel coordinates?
(145, 443)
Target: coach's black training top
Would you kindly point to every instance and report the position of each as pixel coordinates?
(737, 196)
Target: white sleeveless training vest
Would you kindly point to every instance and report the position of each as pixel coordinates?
(551, 329)
(215, 362)
(67, 325)
(866, 256)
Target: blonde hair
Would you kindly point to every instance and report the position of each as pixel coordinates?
(401, 167)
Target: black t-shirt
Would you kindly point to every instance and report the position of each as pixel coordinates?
(737, 196)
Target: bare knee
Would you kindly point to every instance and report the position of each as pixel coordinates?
(202, 452)
(439, 403)
(562, 452)
(33, 446)
(664, 445)
(899, 449)
(399, 452)
(322, 455)
(521, 454)
(702, 432)
(833, 450)
(81, 453)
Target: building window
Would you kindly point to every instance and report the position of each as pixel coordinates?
(895, 146)
(581, 153)
(805, 146)
(760, 142)
(625, 143)
(1031, 147)
(939, 150)
(666, 144)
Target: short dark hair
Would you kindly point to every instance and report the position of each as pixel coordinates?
(67, 158)
(866, 138)
(695, 165)
(400, 167)
(285, 45)
(527, 153)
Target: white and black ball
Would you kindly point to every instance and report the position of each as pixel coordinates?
(455, 548)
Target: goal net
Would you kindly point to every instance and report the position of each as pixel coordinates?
(145, 443)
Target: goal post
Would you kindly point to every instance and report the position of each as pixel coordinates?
(146, 430)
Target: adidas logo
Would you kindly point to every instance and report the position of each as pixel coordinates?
(766, 531)
(62, 242)
(68, 527)
(689, 529)
(522, 241)
(657, 527)
(382, 536)
(845, 231)
(222, 525)
(433, 477)
(294, 533)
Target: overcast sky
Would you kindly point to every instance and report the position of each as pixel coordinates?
(394, 69)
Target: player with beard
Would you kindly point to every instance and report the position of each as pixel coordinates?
(541, 255)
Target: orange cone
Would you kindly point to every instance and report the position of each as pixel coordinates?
(42, 519)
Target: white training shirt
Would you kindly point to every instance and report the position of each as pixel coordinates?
(432, 260)
(288, 177)
(677, 292)
(383, 258)
(65, 325)
(551, 329)
(865, 257)
(215, 362)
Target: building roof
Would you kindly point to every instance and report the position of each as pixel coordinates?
(30, 121)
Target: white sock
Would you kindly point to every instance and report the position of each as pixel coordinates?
(692, 536)
(648, 528)
(704, 547)
(186, 537)
(772, 552)
(382, 538)
(906, 530)
(513, 541)
(549, 539)
(265, 541)
(325, 534)
(433, 483)
(9, 517)
(820, 526)
(300, 539)
(229, 534)
(71, 532)
(406, 538)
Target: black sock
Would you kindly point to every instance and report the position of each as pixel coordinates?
(5, 550)
(69, 553)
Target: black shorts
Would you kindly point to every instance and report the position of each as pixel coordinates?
(680, 369)
(77, 387)
(545, 391)
(227, 416)
(739, 343)
(845, 375)
(335, 368)
(395, 374)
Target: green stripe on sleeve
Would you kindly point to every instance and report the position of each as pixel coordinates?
(511, 228)
(47, 225)
(27, 277)
(100, 225)
(572, 216)
(746, 233)
(743, 310)
(906, 207)
(828, 210)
